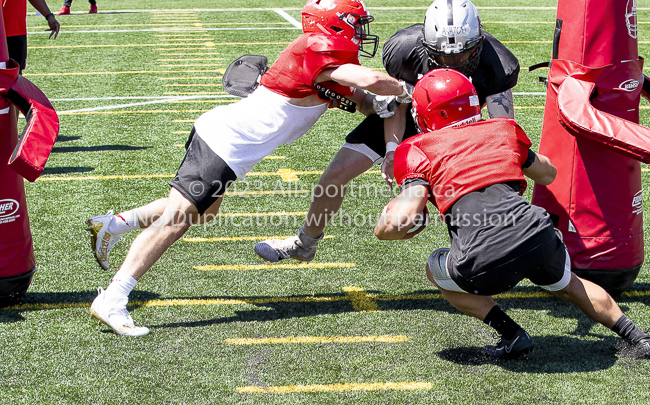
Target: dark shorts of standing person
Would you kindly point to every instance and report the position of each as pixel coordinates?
(203, 176)
(17, 46)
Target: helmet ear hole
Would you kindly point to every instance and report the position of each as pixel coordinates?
(443, 113)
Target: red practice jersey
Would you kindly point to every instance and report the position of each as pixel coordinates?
(294, 73)
(14, 13)
(457, 161)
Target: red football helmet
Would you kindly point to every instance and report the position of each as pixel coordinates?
(444, 97)
(344, 18)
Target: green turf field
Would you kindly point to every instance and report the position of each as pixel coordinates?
(360, 324)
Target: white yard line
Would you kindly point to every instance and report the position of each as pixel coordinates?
(287, 17)
(63, 32)
(159, 100)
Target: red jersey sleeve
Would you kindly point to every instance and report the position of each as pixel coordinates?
(294, 72)
(410, 163)
(324, 52)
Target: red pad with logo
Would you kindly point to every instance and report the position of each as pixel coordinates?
(592, 136)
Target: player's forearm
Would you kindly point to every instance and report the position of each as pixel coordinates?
(364, 78)
(395, 126)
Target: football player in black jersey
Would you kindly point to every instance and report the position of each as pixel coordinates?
(450, 37)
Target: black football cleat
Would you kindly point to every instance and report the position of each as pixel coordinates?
(642, 348)
(516, 348)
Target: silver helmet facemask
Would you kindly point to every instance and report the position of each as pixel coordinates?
(452, 35)
(465, 61)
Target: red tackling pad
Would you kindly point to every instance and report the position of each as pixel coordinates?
(37, 139)
(592, 136)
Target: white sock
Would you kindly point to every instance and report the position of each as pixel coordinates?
(124, 222)
(120, 287)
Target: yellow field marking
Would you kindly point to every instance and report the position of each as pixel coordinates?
(244, 267)
(319, 339)
(221, 71)
(185, 35)
(185, 39)
(93, 46)
(239, 238)
(180, 145)
(274, 157)
(192, 85)
(203, 93)
(186, 59)
(180, 132)
(193, 65)
(166, 24)
(199, 101)
(120, 177)
(361, 301)
(208, 44)
(287, 389)
(275, 300)
(136, 111)
(527, 42)
(183, 121)
(192, 54)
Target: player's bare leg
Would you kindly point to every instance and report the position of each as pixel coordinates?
(106, 230)
(599, 306)
(326, 201)
(591, 299)
(110, 305)
(515, 343)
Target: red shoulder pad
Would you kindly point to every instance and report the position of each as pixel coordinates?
(410, 162)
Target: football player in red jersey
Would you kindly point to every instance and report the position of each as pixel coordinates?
(472, 171)
(227, 141)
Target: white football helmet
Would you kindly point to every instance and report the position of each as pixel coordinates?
(453, 36)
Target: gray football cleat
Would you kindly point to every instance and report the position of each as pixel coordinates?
(300, 247)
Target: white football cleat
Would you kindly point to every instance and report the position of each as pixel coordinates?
(101, 241)
(115, 315)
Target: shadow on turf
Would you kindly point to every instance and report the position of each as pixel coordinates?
(553, 354)
(285, 309)
(60, 299)
(96, 148)
(63, 138)
(67, 169)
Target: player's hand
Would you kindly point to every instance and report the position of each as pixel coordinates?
(387, 169)
(405, 97)
(54, 25)
(385, 106)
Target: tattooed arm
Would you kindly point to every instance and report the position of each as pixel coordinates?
(501, 105)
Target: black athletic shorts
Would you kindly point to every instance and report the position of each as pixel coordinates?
(203, 176)
(17, 46)
(371, 132)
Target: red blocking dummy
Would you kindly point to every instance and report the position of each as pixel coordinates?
(17, 263)
(591, 135)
